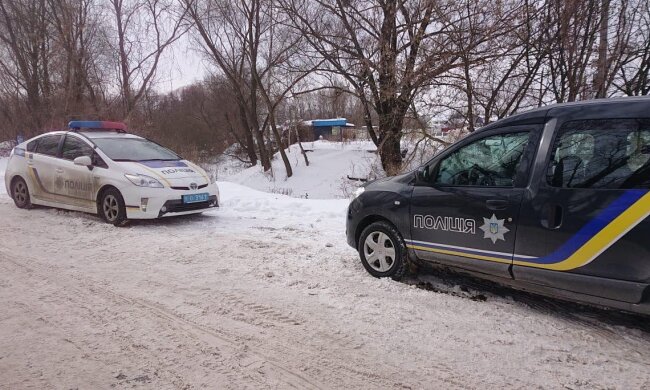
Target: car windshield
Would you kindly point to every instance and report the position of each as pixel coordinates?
(134, 149)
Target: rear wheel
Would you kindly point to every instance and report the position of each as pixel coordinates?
(111, 207)
(20, 193)
(382, 251)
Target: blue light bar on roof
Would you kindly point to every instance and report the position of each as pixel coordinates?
(97, 125)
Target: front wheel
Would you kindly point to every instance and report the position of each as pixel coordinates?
(111, 207)
(20, 194)
(382, 251)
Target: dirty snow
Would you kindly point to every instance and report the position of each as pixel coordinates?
(265, 293)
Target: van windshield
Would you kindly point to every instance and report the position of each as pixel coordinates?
(134, 149)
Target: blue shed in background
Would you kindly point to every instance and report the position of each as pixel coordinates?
(331, 129)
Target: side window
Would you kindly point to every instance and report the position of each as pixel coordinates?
(31, 146)
(48, 145)
(73, 147)
(489, 162)
(608, 154)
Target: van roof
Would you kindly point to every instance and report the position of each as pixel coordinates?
(538, 115)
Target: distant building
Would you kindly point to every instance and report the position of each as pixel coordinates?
(330, 129)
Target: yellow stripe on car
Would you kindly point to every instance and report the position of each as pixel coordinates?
(461, 254)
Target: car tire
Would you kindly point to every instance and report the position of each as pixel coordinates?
(111, 207)
(20, 193)
(383, 251)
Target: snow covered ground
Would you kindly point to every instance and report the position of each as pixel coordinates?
(330, 164)
(265, 293)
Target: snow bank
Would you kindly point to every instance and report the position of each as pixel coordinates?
(281, 211)
(330, 164)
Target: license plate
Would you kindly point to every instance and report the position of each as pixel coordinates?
(195, 198)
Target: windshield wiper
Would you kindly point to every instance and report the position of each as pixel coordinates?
(161, 159)
(122, 160)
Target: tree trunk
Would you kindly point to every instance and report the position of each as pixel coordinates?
(302, 150)
(250, 143)
(285, 159)
(264, 156)
(391, 121)
(469, 91)
(600, 86)
(390, 151)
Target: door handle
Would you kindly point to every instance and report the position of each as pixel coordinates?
(496, 204)
(59, 170)
(552, 216)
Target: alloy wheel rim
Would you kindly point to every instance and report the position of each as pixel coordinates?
(379, 251)
(110, 207)
(20, 192)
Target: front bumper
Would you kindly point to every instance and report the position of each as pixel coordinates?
(351, 224)
(151, 203)
(176, 206)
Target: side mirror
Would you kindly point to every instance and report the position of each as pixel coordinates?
(421, 174)
(83, 160)
(426, 175)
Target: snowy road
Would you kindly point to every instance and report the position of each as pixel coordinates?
(264, 293)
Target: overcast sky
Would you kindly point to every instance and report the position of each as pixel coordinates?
(181, 66)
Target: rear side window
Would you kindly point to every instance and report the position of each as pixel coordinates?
(73, 147)
(48, 145)
(607, 154)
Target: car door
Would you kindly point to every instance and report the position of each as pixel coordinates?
(74, 183)
(465, 206)
(42, 167)
(585, 229)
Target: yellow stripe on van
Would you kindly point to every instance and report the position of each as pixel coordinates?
(602, 240)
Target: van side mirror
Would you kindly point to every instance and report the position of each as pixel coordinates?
(83, 161)
(427, 174)
(420, 176)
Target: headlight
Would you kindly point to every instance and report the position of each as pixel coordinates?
(358, 192)
(144, 181)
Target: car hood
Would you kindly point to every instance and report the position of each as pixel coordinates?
(179, 173)
(391, 182)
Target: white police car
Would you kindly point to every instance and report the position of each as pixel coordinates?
(97, 167)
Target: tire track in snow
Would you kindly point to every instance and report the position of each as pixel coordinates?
(198, 332)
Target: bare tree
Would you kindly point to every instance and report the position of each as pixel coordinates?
(77, 42)
(632, 76)
(260, 56)
(389, 52)
(571, 31)
(143, 30)
(224, 32)
(26, 53)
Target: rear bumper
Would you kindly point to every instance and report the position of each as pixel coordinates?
(152, 203)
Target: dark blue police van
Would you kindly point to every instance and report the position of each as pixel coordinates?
(553, 201)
